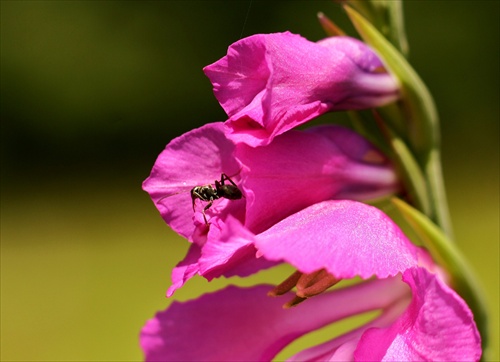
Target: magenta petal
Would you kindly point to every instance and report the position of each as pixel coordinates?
(236, 324)
(270, 83)
(231, 253)
(194, 159)
(342, 348)
(301, 168)
(347, 238)
(230, 325)
(437, 326)
(185, 270)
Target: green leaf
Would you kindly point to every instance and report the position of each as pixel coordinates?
(409, 170)
(387, 17)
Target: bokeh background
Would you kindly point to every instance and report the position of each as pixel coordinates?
(91, 91)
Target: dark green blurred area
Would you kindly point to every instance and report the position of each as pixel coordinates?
(90, 94)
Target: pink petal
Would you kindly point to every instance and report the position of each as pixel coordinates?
(270, 83)
(237, 324)
(347, 238)
(437, 326)
(231, 253)
(301, 168)
(185, 270)
(342, 348)
(194, 159)
(228, 252)
(230, 325)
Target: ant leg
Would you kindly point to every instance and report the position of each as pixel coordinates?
(195, 195)
(224, 177)
(205, 209)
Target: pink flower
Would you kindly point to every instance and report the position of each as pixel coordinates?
(326, 241)
(427, 321)
(289, 212)
(271, 83)
(293, 175)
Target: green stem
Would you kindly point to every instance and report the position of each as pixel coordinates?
(408, 168)
(438, 199)
(420, 159)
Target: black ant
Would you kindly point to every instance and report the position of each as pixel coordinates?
(208, 194)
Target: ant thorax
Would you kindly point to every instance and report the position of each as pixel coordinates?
(204, 193)
(208, 193)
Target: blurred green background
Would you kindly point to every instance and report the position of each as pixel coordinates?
(90, 94)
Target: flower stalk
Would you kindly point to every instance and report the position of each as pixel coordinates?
(419, 162)
(303, 198)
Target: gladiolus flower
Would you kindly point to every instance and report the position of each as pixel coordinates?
(297, 170)
(427, 321)
(327, 241)
(271, 83)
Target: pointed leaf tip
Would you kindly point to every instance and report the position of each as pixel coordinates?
(330, 28)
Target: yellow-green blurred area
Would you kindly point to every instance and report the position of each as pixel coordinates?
(91, 91)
